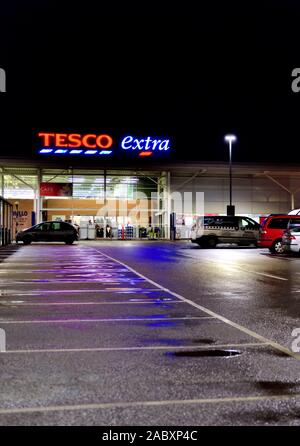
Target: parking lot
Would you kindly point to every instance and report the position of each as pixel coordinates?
(150, 333)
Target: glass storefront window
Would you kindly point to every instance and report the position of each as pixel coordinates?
(19, 186)
(121, 191)
(84, 186)
(67, 194)
(92, 186)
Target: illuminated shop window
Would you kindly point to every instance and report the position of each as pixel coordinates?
(20, 186)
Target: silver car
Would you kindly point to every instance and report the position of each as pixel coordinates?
(291, 239)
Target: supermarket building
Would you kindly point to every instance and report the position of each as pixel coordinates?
(137, 188)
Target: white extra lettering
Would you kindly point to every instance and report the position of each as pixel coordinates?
(125, 141)
(164, 145)
(138, 144)
(131, 143)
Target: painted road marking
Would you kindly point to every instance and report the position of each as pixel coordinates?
(66, 271)
(261, 274)
(134, 404)
(231, 265)
(207, 311)
(149, 347)
(82, 291)
(57, 281)
(129, 319)
(251, 333)
(124, 302)
(272, 276)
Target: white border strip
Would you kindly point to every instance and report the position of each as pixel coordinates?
(134, 404)
(9, 304)
(129, 319)
(118, 290)
(149, 347)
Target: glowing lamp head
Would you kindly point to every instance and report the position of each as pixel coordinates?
(230, 138)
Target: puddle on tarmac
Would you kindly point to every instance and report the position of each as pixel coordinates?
(206, 353)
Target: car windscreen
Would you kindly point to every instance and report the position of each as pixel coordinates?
(293, 222)
(248, 223)
(251, 223)
(295, 229)
(43, 227)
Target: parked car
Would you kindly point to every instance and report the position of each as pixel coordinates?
(271, 231)
(291, 239)
(48, 231)
(209, 231)
(294, 212)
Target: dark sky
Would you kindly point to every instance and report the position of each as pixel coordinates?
(154, 68)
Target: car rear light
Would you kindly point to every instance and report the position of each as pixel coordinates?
(290, 237)
(263, 232)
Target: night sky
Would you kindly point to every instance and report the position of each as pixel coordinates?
(142, 68)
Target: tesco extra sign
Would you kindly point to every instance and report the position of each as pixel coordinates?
(131, 143)
(102, 144)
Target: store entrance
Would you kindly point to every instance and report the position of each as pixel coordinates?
(113, 228)
(95, 227)
(113, 206)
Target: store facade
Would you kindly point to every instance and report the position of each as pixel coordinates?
(138, 202)
(130, 204)
(6, 222)
(133, 187)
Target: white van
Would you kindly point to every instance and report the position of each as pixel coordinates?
(208, 232)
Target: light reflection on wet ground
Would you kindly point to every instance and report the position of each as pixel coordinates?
(94, 278)
(61, 297)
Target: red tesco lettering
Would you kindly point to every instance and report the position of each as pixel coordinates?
(75, 140)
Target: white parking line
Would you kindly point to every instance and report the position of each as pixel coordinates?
(66, 272)
(149, 347)
(262, 274)
(62, 282)
(231, 265)
(272, 276)
(134, 404)
(129, 319)
(251, 333)
(124, 302)
(6, 292)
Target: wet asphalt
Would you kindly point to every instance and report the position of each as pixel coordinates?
(148, 333)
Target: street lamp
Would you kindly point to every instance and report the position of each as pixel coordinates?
(230, 139)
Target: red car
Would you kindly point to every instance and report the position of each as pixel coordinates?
(271, 231)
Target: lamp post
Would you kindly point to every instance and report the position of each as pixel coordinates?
(230, 139)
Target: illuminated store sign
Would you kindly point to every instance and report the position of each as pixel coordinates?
(92, 144)
(56, 189)
(75, 144)
(131, 143)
